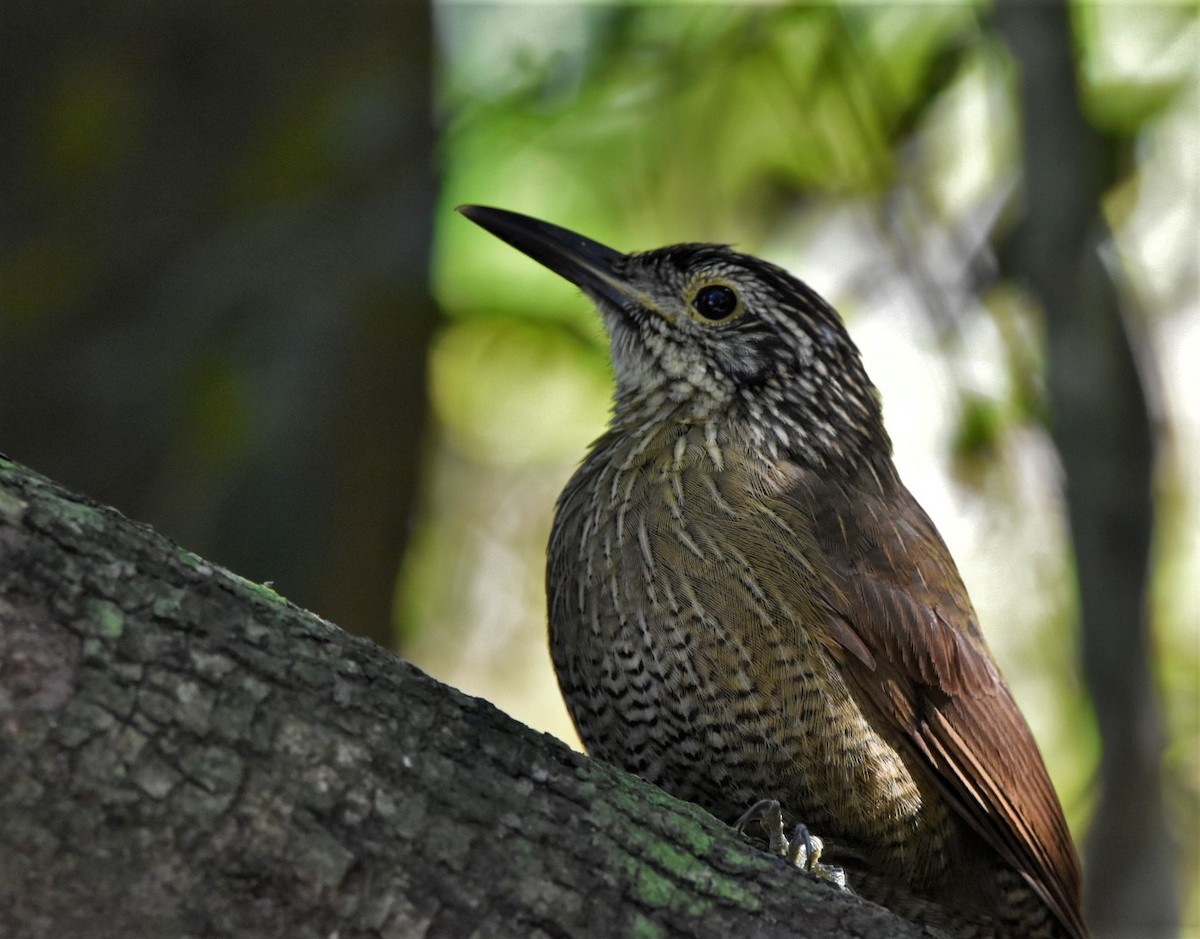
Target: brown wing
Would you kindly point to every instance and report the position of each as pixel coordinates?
(903, 625)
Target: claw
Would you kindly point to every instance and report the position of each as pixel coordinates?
(770, 817)
(811, 845)
(803, 850)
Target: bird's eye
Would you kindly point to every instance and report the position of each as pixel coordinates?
(715, 302)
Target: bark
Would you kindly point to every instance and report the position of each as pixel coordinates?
(1101, 428)
(185, 753)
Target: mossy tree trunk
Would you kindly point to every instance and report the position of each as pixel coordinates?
(183, 752)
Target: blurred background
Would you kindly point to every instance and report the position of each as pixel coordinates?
(235, 303)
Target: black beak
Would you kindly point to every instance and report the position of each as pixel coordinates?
(585, 263)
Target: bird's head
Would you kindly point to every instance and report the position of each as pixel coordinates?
(701, 333)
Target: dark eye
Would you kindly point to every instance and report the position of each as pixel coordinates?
(715, 302)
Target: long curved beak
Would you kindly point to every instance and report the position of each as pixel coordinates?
(585, 263)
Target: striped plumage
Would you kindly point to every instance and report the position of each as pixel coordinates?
(746, 603)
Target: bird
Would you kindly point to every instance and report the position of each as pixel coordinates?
(748, 608)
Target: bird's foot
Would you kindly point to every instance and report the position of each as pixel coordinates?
(803, 850)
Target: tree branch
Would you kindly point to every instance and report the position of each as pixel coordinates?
(183, 752)
(1102, 429)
